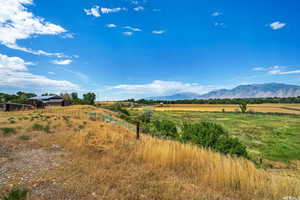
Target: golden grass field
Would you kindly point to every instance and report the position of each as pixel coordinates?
(264, 108)
(99, 160)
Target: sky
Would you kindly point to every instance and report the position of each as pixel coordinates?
(123, 49)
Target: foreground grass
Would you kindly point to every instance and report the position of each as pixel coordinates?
(106, 162)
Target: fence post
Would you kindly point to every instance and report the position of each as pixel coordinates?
(138, 130)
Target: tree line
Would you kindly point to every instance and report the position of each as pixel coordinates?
(70, 98)
(221, 101)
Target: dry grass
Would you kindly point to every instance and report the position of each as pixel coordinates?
(265, 108)
(106, 162)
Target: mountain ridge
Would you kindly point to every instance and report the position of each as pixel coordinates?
(241, 91)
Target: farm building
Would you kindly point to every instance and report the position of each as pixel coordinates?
(41, 101)
(14, 106)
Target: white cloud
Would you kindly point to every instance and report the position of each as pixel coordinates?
(98, 11)
(277, 25)
(280, 72)
(216, 14)
(128, 33)
(139, 8)
(111, 25)
(132, 28)
(258, 69)
(52, 73)
(62, 62)
(276, 70)
(14, 73)
(68, 35)
(134, 2)
(111, 10)
(220, 24)
(159, 87)
(94, 11)
(17, 23)
(158, 32)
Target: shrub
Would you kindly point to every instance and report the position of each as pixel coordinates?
(243, 106)
(146, 115)
(119, 108)
(17, 195)
(8, 131)
(24, 137)
(214, 136)
(165, 127)
(39, 127)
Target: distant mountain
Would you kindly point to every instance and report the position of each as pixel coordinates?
(178, 96)
(242, 91)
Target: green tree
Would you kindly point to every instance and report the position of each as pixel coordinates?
(146, 114)
(89, 98)
(243, 106)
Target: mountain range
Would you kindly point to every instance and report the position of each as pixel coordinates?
(241, 91)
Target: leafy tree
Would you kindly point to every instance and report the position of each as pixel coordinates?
(146, 114)
(89, 98)
(243, 106)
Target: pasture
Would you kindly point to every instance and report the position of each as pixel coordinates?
(76, 153)
(264, 108)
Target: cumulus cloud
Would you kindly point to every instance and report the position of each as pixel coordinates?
(159, 87)
(216, 14)
(277, 25)
(128, 33)
(62, 62)
(14, 73)
(132, 28)
(158, 32)
(111, 25)
(17, 23)
(94, 11)
(139, 8)
(97, 11)
(220, 24)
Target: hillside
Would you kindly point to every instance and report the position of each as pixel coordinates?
(242, 91)
(71, 153)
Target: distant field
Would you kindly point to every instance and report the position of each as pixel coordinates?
(109, 103)
(264, 108)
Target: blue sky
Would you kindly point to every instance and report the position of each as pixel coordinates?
(138, 48)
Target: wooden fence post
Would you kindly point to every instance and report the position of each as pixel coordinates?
(138, 130)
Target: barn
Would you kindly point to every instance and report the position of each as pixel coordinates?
(41, 101)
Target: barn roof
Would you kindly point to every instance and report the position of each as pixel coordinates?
(54, 101)
(43, 98)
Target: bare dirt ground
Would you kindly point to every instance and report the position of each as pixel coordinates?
(23, 165)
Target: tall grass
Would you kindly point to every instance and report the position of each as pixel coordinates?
(222, 173)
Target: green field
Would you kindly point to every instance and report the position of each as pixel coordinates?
(273, 137)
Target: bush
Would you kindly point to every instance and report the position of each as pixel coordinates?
(119, 108)
(8, 131)
(24, 137)
(165, 127)
(214, 136)
(17, 195)
(146, 115)
(39, 127)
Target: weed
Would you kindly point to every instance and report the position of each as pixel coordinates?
(39, 127)
(17, 195)
(8, 131)
(24, 137)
